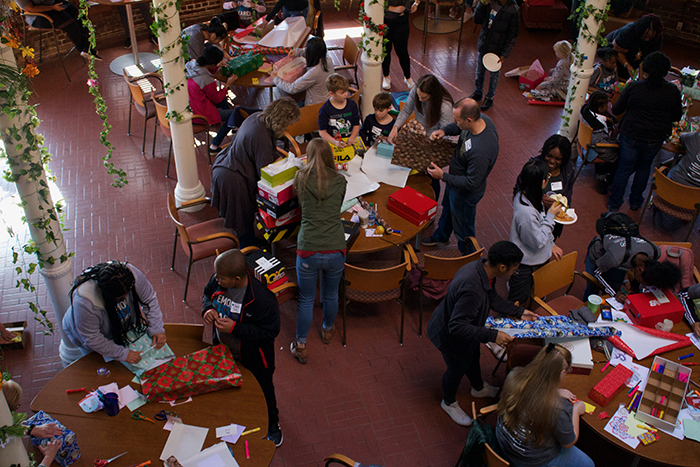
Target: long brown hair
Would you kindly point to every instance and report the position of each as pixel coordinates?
(530, 398)
(320, 160)
(430, 85)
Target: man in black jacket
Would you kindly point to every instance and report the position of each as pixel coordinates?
(457, 325)
(246, 318)
(500, 23)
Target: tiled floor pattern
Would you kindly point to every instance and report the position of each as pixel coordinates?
(373, 400)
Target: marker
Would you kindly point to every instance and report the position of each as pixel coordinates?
(73, 391)
(691, 364)
(247, 450)
(605, 367)
(696, 392)
(685, 356)
(247, 432)
(633, 390)
(397, 231)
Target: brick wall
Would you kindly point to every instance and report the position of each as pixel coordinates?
(674, 11)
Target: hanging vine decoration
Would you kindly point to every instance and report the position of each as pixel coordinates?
(11, 37)
(380, 30)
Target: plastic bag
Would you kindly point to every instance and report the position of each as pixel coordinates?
(536, 71)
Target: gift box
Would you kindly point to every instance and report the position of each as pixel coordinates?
(281, 171)
(343, 155)
(352, 231)
(412, 205)
(662, 398)
(528, 83)
(274, 210)
(279, 194)
(242, 65)
(290, 68)
(204, 371)
(647, 309)
(266, 268)
(291, 217)
(69, 451)
(385, 150)
(414, 149)
(277, 233)
(610, 385)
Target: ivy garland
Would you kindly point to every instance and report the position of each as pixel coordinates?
(380, 30)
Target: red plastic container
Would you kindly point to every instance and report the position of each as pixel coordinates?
(412, 205)
(644, 309)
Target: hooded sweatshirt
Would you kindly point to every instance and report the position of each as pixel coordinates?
(321, 227)
(204, 96)
(531, 230)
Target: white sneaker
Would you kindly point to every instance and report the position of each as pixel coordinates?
(300, 139)
(228, 6)
(386, 82)
(409, 82)
(456, 413)
(487, 392)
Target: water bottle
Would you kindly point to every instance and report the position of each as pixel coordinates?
(371, 214)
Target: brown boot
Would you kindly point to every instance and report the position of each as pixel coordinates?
(326, 336)
(298, 352)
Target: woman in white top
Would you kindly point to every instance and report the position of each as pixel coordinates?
(313, 81)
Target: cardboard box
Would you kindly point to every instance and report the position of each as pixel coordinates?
(581, 355)
(291, 217)
(274, 175)
(663, 394)
(521, 70)
(278, 233)
(647, 309)
(608, 387)
(412, 205)
(274, 210)
(352, 231)
(266, 268)
(277, 195)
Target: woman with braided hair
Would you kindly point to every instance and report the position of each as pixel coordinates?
(107, 302)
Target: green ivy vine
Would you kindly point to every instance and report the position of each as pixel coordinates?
(380, 30)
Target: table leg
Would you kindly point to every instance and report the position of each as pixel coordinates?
(272, 95)
(132, 34)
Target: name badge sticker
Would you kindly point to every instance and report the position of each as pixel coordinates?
(557, 186)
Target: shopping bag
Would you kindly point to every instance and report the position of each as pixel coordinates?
(243, 64)
(69, 451)
(204, 371)
(413, 148)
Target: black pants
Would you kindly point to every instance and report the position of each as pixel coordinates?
(399, 29)
(68, 21)
(458, 365)
(261, 362)
(521, 283)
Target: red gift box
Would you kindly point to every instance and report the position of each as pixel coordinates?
(291, 217)
(279, 194)
(644, 309)
(610, 385)
(412, 206)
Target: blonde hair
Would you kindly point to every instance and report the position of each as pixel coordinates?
(562, 49)
(530, 398)
(319, 159)
(13, 394)
(280, 114)
(336, 82)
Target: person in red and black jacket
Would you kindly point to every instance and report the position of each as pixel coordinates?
(246, 317)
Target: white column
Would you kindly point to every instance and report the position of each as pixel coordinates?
(582, 68)
(13, 453)
(371, 68)
(37, 202)
(188, 185)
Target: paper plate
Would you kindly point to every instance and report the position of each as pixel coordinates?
(571, 213)
(491, 62)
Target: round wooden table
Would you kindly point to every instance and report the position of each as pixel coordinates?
(667, 450)
(409, 230)
(102, 437)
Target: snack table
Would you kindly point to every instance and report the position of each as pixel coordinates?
(667, 450)
(102, 437)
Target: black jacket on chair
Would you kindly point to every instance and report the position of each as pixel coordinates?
(500, 37)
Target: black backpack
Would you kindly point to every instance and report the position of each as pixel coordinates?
(621, 225)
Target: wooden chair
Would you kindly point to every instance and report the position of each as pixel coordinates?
(554, 276)
(490, 457)
(201, 240)
(370, 285)
(674, 199)
(583, 146)
(281, 297)
(351, 57)
(141, 96)
(340, 459)
(164, 123)
(440, 265)
(187, 331)
(41, 31)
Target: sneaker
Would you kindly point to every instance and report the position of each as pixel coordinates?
(431, 241)
(327, 335)
(456, 413)
(386, 83)
(213, 150)
(487, 104)
(409, 82)
(274, 434)
(300, 353)
(476, 96)
(127, 43)
(487, 392)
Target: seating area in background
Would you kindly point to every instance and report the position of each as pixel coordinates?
(142, 93)
(351, 58)
(54, 33)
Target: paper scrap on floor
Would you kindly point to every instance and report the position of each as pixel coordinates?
(184, 441)
(380, 169)
(641, 343)
(217, 455)
(358, 183)
(617, 426)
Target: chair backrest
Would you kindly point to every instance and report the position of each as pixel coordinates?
(161, 112)
(491, 459)
(554, 275)
(175, 216)
(139, 88)
(355, 94)
(375, 280)
(443, 269)
(308, 123)
(683, 196)
(687, 245)
(351, 52)
(585, 132)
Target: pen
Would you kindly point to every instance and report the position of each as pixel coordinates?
(247, 450)
(247, 432)
(685, 356)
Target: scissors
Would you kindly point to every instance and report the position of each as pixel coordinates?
(102, 462)
(138, 415)
(163, 415)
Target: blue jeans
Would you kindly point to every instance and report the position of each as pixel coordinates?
(331, 266)
(291, 13)
(571, 457)
(614, 277)
(480, 74)
(636, 156)
(458, 214)
(225, 112)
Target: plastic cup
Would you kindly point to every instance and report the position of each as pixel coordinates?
(364, 218)
(594, 302)
(111, 403)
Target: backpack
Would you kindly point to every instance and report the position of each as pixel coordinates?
(621, 225)
(681, 257)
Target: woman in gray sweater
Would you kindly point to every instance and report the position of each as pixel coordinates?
(531, 228)
(313, 81)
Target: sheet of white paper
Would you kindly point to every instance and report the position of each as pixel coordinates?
(212, 461)
(641, 343)
(184, 441)
(616, 427)
(225, 430)
(380, 169)
(371, 233)
(217, 455)
(694, 339)
(111, 387)
(126, 396)
(358, 183)
(614, 303)
(285, 34)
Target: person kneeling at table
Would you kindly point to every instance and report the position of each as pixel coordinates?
(538, 423)
(246, 317)
(108, 301)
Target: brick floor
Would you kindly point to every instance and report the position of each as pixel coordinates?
(374, 400)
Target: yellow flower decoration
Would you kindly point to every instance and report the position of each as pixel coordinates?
(27, 52)
(14, 6)
(30, 70)
(11, 41)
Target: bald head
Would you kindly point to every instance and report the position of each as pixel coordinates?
(230, 264)
(468, 108)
